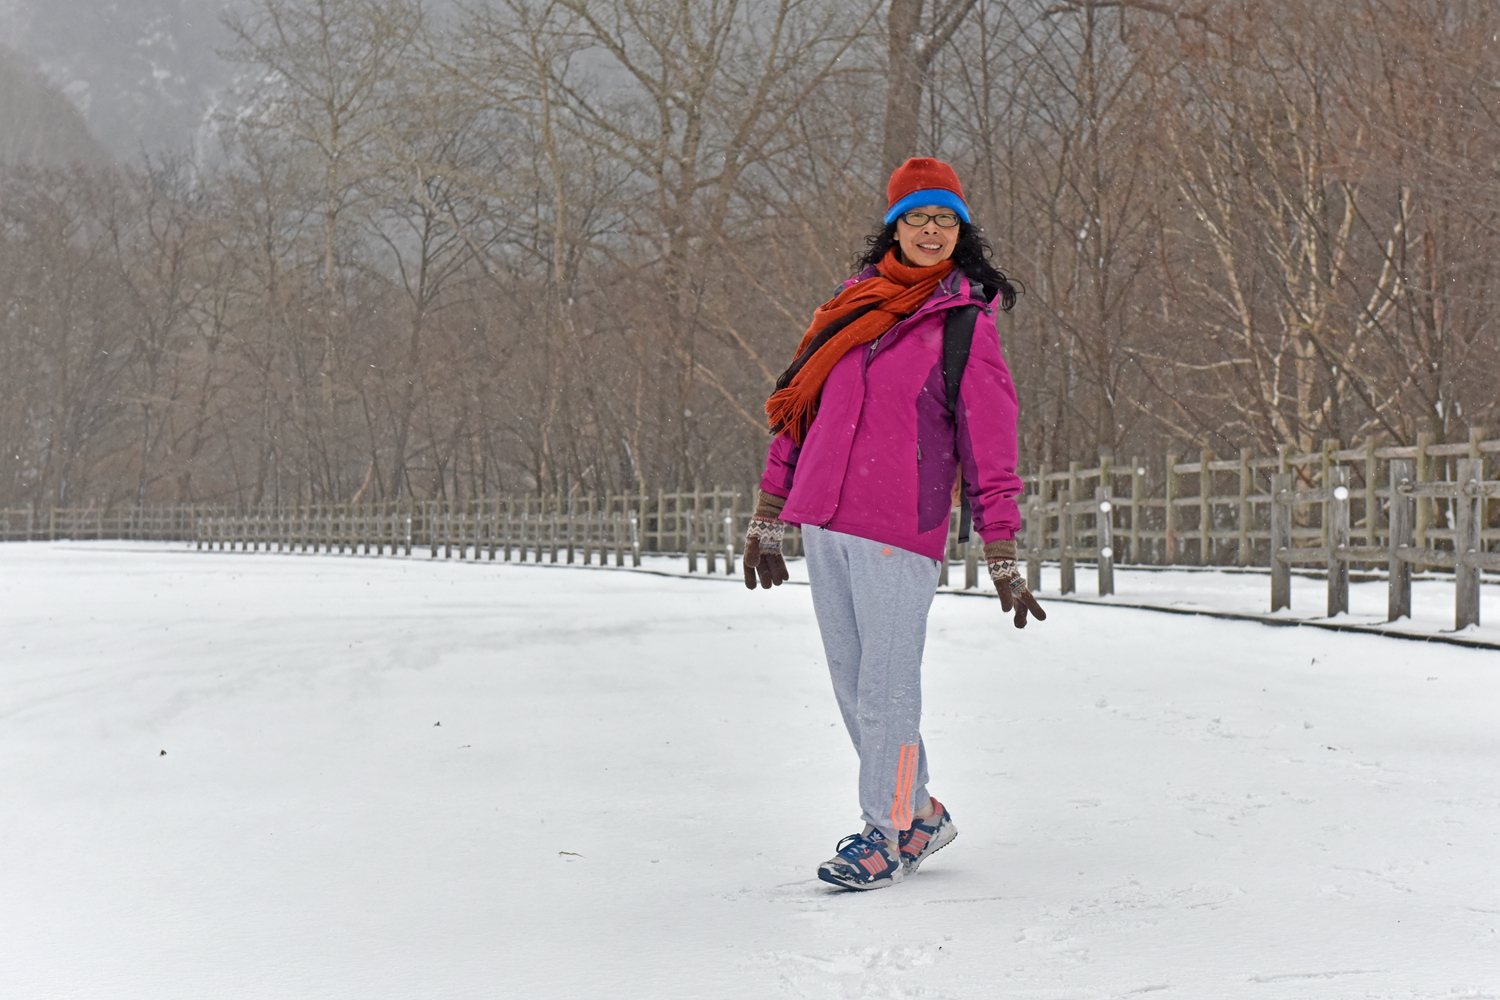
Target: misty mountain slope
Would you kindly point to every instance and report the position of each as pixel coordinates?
(39, 127)
(143, 73)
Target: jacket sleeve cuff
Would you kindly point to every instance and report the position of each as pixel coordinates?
(768, 506)
(1000, 548)
(997, 535)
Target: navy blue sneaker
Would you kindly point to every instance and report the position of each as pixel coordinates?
(926, 837)
(864, 861)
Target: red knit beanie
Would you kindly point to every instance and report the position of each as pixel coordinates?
(923, 180)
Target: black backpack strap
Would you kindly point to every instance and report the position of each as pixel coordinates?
(958, 338)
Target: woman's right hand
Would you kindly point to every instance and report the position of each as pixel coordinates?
(763, 554)
(763, 543)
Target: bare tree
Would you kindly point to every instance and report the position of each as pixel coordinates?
(913, 42)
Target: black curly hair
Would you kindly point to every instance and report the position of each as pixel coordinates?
(971, 255)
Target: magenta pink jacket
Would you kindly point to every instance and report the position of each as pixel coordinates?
(880, 458)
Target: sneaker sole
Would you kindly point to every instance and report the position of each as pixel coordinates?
(911, 867)
(832, 879)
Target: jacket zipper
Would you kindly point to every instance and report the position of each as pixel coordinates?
(926, 307)
(865, 377)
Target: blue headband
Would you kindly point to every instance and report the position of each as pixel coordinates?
(932, 196)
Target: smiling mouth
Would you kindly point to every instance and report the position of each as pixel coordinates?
(930, 247)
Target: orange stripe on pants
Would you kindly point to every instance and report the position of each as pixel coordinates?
(906, 776)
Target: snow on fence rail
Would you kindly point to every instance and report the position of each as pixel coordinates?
(1373, 508)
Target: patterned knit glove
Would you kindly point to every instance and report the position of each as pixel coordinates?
(1011, 586)
(763, 543)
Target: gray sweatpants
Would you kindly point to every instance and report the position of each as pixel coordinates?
(872, 602)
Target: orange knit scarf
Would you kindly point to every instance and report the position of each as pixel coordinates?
(857, 315)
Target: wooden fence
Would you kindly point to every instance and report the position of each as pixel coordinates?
(703, 524)
(1332, 509)
(156, 523)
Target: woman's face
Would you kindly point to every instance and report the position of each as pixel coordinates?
(929, 243)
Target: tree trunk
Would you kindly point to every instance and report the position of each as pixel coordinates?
(903, 95)
(911, 54)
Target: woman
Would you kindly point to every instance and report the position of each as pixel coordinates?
(865, 459)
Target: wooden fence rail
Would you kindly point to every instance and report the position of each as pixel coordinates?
(1371, 508)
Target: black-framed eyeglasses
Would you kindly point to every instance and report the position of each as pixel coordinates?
(947, 220)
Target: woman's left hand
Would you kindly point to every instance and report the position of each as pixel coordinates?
(1009, 584)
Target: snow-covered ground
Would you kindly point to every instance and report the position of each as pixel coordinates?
(635, 776)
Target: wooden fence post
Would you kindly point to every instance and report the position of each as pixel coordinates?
(569, 521)
(536, 529)
(1107, 473)
(1398, 571)
(1325, 463)
(707, 543)
(1169, 512)
(734, 513)
(971, 560)
(1281, 540)
(1066, 566)
(1075, 487)
(708, 526)
(428, 528)
(1424, 504)
(1336, 519)
(530, 531)
(1035, 511)
(635, 538)
(1245, 549)
(539, 531)
(1105, 537)
(661, 524)
(1205, 507)
(729, 540)
(493, 521)
(1137, 498)
(554, 529)
(1467, 526)
(595, 519)
(947, 553)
